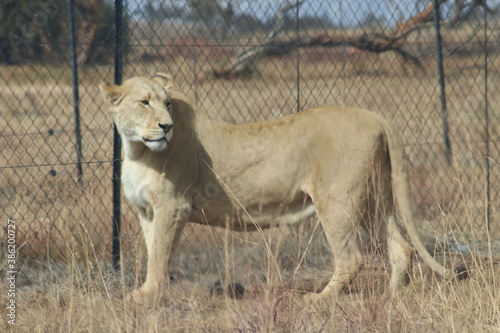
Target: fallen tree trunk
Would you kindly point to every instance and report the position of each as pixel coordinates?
(240, 64)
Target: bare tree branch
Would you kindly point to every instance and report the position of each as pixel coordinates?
(243, 61)
(280, 17)
(461, 13)
(425, 15)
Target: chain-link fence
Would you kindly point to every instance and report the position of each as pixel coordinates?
(244, 61)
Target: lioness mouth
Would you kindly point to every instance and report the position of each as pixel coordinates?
(156, 140)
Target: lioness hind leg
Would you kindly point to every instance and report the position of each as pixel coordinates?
(348, 262)
(391, 236)
(342, 233)
(400, 253)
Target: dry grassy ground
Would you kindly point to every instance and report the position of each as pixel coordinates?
(57, 218)
(85, 296)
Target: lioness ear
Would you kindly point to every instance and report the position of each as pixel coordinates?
(111, 92)
(165, 79)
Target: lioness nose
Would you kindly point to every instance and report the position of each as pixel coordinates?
(166, 127)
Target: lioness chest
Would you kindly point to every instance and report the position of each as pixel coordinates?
(139, 183)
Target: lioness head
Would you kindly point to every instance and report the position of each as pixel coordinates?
(141, 108)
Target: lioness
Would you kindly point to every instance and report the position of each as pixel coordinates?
(182, 166)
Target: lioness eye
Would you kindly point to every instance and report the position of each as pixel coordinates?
(145, 102)
(168, 104)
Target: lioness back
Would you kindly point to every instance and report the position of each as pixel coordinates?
(283, 159)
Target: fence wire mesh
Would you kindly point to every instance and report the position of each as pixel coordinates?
(245, 61)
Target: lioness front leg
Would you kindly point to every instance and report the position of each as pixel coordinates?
(161, 235)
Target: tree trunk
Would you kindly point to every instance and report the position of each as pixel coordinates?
(87, 32)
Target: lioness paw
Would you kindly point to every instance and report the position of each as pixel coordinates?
(143, 297)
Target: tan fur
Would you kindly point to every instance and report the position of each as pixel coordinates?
(326, 160)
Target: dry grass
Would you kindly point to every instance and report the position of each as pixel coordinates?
(59, 219)
(85, 295)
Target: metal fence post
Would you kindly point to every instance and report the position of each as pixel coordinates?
(74, 69)
(117, 145)
(444, 111)
(297, 54)
(487, 128)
